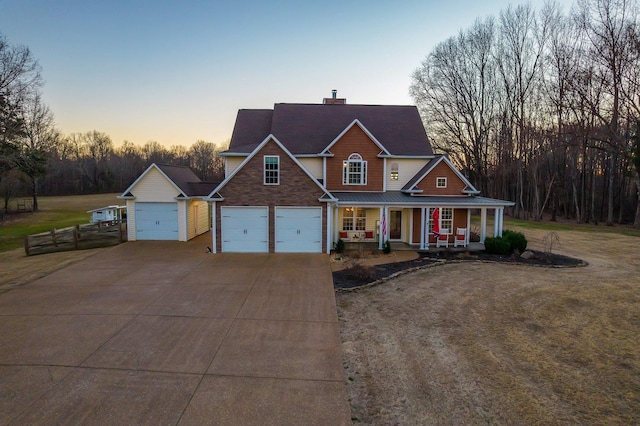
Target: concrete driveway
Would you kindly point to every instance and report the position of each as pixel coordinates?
(164, 333)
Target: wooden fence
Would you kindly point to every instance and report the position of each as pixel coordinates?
(77, 237)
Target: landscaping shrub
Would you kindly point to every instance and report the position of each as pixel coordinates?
(361, 272)
(516, 240)
(339, 246)
(386, 247)
(497, 245)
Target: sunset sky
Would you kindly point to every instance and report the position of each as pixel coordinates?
(178, 71)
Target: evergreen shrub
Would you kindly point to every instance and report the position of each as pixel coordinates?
(516, 240)
(497, 245)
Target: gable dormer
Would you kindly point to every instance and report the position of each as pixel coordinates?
(353, 161)
(439, 177)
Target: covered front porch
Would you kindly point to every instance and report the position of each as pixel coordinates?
(368, 220)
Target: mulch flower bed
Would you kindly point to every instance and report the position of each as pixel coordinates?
(359, 275)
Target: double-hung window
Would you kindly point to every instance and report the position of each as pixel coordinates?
(271, 170)
(354, 170)
(446, 219)
(445, 216)
(354, 219)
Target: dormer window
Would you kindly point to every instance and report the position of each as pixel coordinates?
(394, 171)
(354, 170)
(441, 182)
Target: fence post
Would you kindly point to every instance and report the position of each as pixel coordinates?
(53, 237)
(76, 236)
(26, 244)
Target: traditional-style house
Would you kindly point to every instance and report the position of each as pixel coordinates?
(299, 177)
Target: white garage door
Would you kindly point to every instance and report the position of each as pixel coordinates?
(156, 221)
(298, 229)
(245, 229)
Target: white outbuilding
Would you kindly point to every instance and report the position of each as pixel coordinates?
(167, 203)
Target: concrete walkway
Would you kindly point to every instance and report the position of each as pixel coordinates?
(163, 333)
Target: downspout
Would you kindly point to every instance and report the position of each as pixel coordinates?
(468, 227)
(328, 218)
(186, 220)
(422, 229)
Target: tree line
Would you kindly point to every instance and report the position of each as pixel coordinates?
(84, 163)
(37, 159)
(543, 108)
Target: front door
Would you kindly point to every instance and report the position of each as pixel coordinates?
(395, 225)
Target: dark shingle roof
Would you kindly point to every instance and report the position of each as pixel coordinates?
(310, 128)
(252, 126)
(187, 180)
(200, 189)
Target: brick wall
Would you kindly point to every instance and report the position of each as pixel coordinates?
(247, 189)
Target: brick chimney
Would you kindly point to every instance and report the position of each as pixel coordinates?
(334, 100)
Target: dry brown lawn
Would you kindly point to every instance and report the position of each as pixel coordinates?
(489, 343)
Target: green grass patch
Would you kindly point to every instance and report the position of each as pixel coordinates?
(55, 213)
(12, 236)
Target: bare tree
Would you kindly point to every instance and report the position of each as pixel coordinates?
(100, 148)
(519, 58)
(564, 109)
(202, 159)
(38, 138)
(19, 79)
(153, 152)
(631, 93)
(454, 90)
(180, 155)
(605, 24)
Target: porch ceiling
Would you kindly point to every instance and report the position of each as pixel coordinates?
(398, 198)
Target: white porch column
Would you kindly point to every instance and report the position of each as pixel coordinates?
(384, 213)
(380, 236)
(483, 224)
(422, 215)
(501, 217)
(329, 217)
(468, 227)
(496, 221)
(337, 227)
(214, 228)
(427, 220)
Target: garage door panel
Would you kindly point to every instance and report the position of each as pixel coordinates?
(156, 221)
(245, 229)
(298, 230)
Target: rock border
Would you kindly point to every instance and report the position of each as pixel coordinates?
(440, 262)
